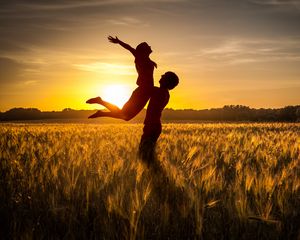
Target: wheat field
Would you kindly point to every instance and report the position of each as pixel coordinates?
(209, 181)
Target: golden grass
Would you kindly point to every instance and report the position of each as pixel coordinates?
(85, 181)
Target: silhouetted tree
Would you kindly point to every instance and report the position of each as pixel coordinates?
(288, 113)
(22, 113)
(298, 114)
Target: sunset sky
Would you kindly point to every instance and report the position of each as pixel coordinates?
(55, 53)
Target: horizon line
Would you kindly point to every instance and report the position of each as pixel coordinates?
(176, 109)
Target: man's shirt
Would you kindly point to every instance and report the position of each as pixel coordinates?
(159, 99)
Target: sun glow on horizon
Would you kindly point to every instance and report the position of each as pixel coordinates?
(116, 94)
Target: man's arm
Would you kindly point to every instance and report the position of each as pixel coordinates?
(124, 45)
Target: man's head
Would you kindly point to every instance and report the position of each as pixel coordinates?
(169, 80)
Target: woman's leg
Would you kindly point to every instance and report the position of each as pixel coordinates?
(116, 114)
(136, 103)
(109, 106)
(131, 108)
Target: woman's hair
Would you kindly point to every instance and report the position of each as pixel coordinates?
(143, 48)
(172, 80)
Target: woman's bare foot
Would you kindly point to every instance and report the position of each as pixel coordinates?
(97, 114)
(94, 100)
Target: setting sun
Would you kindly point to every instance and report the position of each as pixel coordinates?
(116, 94)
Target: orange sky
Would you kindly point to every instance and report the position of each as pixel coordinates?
(55, 55)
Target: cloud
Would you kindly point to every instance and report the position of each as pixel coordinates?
(102, 67)
(11, 71)
(29, 24)
(260, 97)
(277, 2)
(127, 21)
(36, 5)
(278, 5)
(240, 51)
(30, 82)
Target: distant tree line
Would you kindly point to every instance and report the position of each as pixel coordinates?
(237, 113)
(36, 114)
(227, 113)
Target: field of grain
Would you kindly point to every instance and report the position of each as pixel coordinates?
(209, 181)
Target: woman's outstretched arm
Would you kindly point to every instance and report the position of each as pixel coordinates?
(124, 45)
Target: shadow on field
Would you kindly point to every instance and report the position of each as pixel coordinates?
(174, 202)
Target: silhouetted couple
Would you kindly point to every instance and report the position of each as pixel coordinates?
(159, 98)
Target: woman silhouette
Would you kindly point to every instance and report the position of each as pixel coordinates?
(145, 67)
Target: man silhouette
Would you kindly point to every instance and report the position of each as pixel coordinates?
(152, 124)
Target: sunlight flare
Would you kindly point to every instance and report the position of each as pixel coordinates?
(116, 94)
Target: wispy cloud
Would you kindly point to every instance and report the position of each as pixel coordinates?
(276, 2)
(55, 5)
(127, 21)
(30, 82)
(36, 5)
(10, 70)
(101, 67)
(241, 51)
